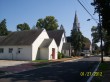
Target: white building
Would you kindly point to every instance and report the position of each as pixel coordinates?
(32, 45)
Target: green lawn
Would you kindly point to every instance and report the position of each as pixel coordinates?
(41, 61)
(103, 67)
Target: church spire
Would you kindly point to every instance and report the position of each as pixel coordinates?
(75, 18)
(76, 22)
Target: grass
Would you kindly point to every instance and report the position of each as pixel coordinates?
(40, 61)
(103, 67)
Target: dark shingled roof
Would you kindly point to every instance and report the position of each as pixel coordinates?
(21, 38)
(2, 38)
(66, 46)
(56, 34)
(46, 43)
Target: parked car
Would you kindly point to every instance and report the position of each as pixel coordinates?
(87, 54)
(82, 54)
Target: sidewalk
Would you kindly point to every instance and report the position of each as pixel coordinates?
(30, 66)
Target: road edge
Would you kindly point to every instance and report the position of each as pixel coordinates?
(91, 77)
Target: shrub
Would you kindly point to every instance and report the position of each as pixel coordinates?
(59, 55)
(63, 55)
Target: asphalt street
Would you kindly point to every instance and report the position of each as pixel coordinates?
(63, 72)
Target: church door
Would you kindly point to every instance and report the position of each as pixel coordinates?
(53, 53)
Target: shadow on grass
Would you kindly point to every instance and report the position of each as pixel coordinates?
(105, 69)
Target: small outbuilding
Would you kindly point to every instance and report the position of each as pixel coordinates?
(48, 49)
(66, 49)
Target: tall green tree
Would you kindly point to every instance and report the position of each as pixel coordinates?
(24, 26)
(3, 28)
(103, 8)
(48, 23)
(96, 34)
(76, 41)
(105, 38)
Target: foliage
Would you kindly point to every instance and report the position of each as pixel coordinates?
(107, 48)
(77, 40)
(103, 66)
(24, 26)
(41, 61)
(103, 8)
(95, 34)
(105, 38)
(48, 23)
(3, 28)
(86, 43)
(60, 55)
(95, 48)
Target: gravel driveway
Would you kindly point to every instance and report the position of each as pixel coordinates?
(5, 63)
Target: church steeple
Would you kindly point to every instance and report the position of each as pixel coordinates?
(76, 22)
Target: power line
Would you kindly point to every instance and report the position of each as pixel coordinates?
(89, 7)
(87, 11)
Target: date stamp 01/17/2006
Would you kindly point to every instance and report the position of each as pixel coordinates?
(90, 73)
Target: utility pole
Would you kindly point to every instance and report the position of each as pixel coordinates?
(100, 28)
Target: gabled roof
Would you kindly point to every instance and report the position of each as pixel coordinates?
(66, 46)
(21, 38)
(57, 35)
(2, 37)
(46, 43)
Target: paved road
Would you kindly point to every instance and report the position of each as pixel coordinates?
(63, 72)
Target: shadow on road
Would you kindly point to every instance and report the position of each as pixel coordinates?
(63, 72)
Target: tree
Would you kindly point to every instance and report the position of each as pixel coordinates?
(95, 48)
(95, 34)
(24, 26)
(76, 41)
(86, 43)
(105, 38)
(3, 28)
(103, 8)
(48, 23)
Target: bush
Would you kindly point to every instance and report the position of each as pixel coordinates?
(63, 55)
(59, 55)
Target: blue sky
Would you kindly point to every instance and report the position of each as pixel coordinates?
(29, 11)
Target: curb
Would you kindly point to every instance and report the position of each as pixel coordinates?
(91, 77)
(40, 67)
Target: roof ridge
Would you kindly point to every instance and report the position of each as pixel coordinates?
(26, 30)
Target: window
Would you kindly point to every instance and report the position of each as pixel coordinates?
(1, 50)
(10, 50)
(19, 50)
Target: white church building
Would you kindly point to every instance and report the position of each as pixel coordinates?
(32, 45)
